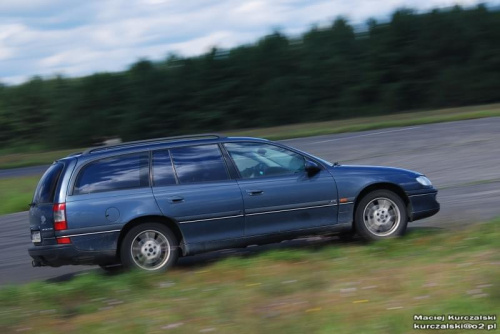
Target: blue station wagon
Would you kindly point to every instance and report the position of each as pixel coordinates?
(143, 204)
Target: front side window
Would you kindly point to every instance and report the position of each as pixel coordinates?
(199, 164)
(259, 160)
(116, 173)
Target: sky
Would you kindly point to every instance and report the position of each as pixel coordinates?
(75, 38)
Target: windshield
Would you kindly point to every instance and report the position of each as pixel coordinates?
(326, 162)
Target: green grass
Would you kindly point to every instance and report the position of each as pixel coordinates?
(10, 160)
(340, 288)
(16, 193)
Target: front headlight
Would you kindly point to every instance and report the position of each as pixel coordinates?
(424, 181)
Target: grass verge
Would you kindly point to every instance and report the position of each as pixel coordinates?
(16, 193)
(300, 130)
(342, 288)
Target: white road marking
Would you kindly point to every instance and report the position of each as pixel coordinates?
(365, 135)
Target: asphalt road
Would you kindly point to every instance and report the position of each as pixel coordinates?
(461, 158)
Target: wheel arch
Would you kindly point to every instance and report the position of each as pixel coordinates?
(382, 186)
(168, 222)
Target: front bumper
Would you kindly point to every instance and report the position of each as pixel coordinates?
(423, 205)
(59, 255)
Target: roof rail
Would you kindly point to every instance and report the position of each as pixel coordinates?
(154, 140)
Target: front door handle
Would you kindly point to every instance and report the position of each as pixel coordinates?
(176, 199)
(254, 192)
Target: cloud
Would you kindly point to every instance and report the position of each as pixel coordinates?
(30, 7)
(47, 37)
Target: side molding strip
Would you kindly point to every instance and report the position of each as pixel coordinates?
(90, 233)
(207, 219)
(294, 209)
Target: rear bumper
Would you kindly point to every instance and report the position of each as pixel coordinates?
(423, 205)
(59, 255)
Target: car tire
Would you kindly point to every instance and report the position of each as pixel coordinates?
(381, 214)
(149, 247)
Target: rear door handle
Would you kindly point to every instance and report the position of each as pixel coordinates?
(254, 192)
(176, 199)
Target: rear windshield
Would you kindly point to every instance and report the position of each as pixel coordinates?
(44, 193)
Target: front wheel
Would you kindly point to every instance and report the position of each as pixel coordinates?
(380, 215)
(151, 247)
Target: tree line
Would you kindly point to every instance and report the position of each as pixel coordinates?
(441, 58)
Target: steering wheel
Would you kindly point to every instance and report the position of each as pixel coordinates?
(260, 169)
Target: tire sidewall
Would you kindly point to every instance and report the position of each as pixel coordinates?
(126, 257)
(361, 228)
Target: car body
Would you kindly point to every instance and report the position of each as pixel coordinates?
(143, 204)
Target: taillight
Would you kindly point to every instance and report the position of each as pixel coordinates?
(60, 217)
(63, 240)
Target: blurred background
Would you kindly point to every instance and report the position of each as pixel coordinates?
(360, 82)
(426, 57)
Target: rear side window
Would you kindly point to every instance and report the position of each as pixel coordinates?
(199, 164)
(116, 173)
(44, 193)
(163, 173)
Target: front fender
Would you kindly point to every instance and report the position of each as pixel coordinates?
(353, 185)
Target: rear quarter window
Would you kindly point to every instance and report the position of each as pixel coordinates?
(46, 188)
(115, 173)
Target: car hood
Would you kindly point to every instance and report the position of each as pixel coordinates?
(377, 170)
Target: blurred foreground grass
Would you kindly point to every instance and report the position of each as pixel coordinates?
(340, 288)
(15, 160)
(16, 193)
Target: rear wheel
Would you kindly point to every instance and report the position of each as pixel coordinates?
(381, 214)
(151, 247)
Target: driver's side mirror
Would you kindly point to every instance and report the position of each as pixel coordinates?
(311, 167)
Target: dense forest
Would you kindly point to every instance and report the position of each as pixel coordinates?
(448, 57)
